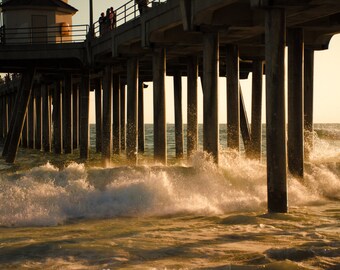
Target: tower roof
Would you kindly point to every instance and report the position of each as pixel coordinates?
(53, 4)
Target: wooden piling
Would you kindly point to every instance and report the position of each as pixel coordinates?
(295, 102)
(107, 115)
(24, 136)
(84, 104)
(99, 113)
(256, 110)
(275, 29)
(132, 104)
(192, 125)
(178, 115)
(159, 115)
(116, 127)
(23, 100)
(210, 94)
(233, 97)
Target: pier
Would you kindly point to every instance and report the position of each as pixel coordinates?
(201, 40)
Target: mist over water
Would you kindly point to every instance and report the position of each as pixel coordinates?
(230, 197)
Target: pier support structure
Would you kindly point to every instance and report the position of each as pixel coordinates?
(24, 94)
(84, 115)
(308, 100)
(57, 118)
(141, 128)
(75, 100)
(99, 111)
(46, 113)
(159, 115)
(295, 102)
(192, 126)
(67, 115)
(116, 110)
(178, 115)
(256, 110)
(122, 117)
(275, 29)
(39, 116)
(132, 109)
(210, 94)
(107, 115)
(233, 97)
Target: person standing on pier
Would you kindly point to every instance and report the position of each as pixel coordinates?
(142, 5)
(101, 23)
(113, 18)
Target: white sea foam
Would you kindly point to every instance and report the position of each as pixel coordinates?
(47, 195)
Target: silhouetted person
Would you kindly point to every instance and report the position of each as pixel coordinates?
(142, 5)
(101, 23)
(113, 18)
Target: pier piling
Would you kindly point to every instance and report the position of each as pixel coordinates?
(275, 28)
(23, 100)
(159, 113)
(141, 129)
(67, 115)
(57, 118)
(178, 115)
(210, 94)
(132, 109)
(116, 108)
(38, 105)
(99, 110)
(256, 110)
(233, 97)
(107, 115)
(46, 112)
(192, 125)
(295, 102)
(84, 105)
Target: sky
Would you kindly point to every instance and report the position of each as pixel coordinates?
(326, 78)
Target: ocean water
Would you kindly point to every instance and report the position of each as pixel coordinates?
(58, 213)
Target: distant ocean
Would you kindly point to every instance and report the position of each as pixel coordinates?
(56, 213)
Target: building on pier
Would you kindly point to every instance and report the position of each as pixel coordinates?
(37, 21)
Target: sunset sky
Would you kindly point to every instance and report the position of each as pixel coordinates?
(326, 81)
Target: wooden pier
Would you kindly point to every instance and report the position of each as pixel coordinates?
(192, 38)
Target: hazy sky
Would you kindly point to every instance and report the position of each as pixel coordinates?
(326, 81)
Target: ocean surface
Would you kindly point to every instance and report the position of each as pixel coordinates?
(58, 213)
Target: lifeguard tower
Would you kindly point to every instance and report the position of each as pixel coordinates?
(36, 21)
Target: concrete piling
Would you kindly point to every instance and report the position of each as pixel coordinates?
(159, 117)
(210, 94)
(46, 113)
(67, 115)
(132, 109)
(275, 28)
(256, 110)
(122, 117)
(38, 110)
(99, 111)
(308, 100)
(295, 102)
(116, 127)
(31, 120)
(233, 97)
(107, 115)
(178, 115)
(75, 114)
(57, 118)
(23, 100)
(141, 128)
(84, 105)
(192, 126)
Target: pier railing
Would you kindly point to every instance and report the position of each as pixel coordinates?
(62, 33)
(125, 13)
